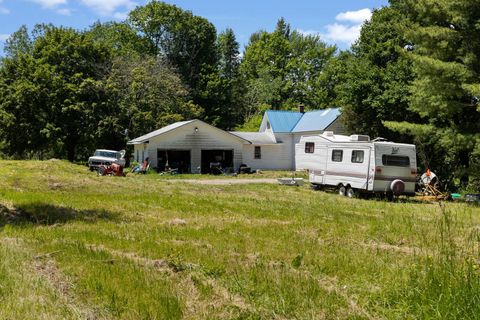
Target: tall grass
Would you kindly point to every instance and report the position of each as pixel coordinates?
(444, 282)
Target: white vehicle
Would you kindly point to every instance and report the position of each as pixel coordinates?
(354, 164)
(106, 157)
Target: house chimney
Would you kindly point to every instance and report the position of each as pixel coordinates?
(301, 108)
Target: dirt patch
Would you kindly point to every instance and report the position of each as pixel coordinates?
(188, 276)
(401, 248)
(177, 222)
(331, 285)
(48, 270)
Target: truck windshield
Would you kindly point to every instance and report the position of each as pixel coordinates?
(107, 154)
(395, 161)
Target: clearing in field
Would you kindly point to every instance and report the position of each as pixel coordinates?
(77, 246)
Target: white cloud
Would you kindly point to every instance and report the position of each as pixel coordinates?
(357, 17)
(57, 5)
(64, 11)
(4, 37)
(109, 7)
(121, 15)
(346, 32)
(50, 3)
(342, 33)
(3, 10)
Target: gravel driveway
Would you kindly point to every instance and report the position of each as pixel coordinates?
(225, 182)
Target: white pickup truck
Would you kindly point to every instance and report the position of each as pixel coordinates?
(106, 157)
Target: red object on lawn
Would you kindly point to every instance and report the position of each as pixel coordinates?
(111, 170)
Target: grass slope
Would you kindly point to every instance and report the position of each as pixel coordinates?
(77, 246)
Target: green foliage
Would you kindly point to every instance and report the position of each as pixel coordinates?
(70, 93)
(121, 38)
(281, 68)
(51, 94)
(446, 62)
(186, 41)
(18, 43)
(144, 94)
(371, 83)
(222, 89)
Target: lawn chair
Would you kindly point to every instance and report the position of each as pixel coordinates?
(145, 166)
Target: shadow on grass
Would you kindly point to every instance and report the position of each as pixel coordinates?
(48, 214)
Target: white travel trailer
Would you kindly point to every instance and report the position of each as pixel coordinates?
(354, 164)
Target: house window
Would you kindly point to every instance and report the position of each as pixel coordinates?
(309, 147)
(337, 155)
(258, 153)
(268, 125)
(357, 156)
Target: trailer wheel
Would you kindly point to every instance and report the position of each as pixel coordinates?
(351, 193)
(342, 190)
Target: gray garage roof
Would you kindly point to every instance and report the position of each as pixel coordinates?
(256, 137)
(176, 125)
(158, 132)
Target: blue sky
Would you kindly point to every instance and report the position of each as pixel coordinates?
(337, 21)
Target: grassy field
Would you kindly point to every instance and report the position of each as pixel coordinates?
(77, 246)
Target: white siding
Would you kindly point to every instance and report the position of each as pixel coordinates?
(185, 138)
(274, 157)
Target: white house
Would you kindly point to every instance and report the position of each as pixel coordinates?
(192, 146)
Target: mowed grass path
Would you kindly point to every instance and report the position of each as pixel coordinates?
(77, 246)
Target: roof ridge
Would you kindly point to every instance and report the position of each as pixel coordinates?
(283, 111)
(296, 123)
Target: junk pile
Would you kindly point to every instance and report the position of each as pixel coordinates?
(428, 188)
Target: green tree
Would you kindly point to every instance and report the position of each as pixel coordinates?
(188, 42)
(52, 94)
(229, 54)
(18, 43)
(121, 37)
(445, 39)
(145, 94)
(371, 82)
(282, 68)
(225, 88)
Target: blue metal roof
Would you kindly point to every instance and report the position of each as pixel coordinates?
(283, 121)
(291, 121)
(317, 120)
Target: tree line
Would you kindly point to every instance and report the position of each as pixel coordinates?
(412, 76)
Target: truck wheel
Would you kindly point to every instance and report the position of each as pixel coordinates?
(101, 171)
(342, 190)
(351, 193)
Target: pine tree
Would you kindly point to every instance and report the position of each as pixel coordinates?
(446, 92)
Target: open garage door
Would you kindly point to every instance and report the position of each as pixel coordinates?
(215, 158)
(174, 159)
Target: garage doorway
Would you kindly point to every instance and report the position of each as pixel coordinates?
(174, 159)
(215, 158)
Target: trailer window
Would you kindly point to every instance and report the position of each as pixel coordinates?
(357, 156)
(395, 161)
(337, 155)
(309, 147)
(258, 153)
